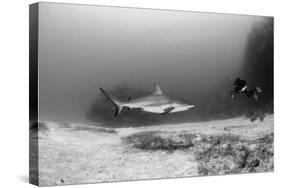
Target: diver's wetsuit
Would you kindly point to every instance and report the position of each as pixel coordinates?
(240, 86)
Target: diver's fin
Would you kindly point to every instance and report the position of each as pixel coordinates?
(253, 92)
(157, 89)
(231, 93)
(256, 96)
(256, 91)
(168, 110)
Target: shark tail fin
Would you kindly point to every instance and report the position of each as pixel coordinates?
(117, 103)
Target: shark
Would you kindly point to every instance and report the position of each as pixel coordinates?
(157, 102)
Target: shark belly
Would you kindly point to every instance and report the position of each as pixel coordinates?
(156, 109)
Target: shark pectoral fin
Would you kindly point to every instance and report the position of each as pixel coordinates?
(168, 110)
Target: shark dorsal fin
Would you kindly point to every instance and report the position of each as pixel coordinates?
(157, 90)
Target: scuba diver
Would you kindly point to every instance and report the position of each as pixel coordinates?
(240, 87)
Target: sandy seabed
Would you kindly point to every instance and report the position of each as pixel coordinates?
(76, 153)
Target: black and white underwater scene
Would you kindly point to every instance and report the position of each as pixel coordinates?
(135, 94)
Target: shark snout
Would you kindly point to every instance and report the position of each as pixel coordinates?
(190, 106)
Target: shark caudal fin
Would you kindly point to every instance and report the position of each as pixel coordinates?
(117, 103)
